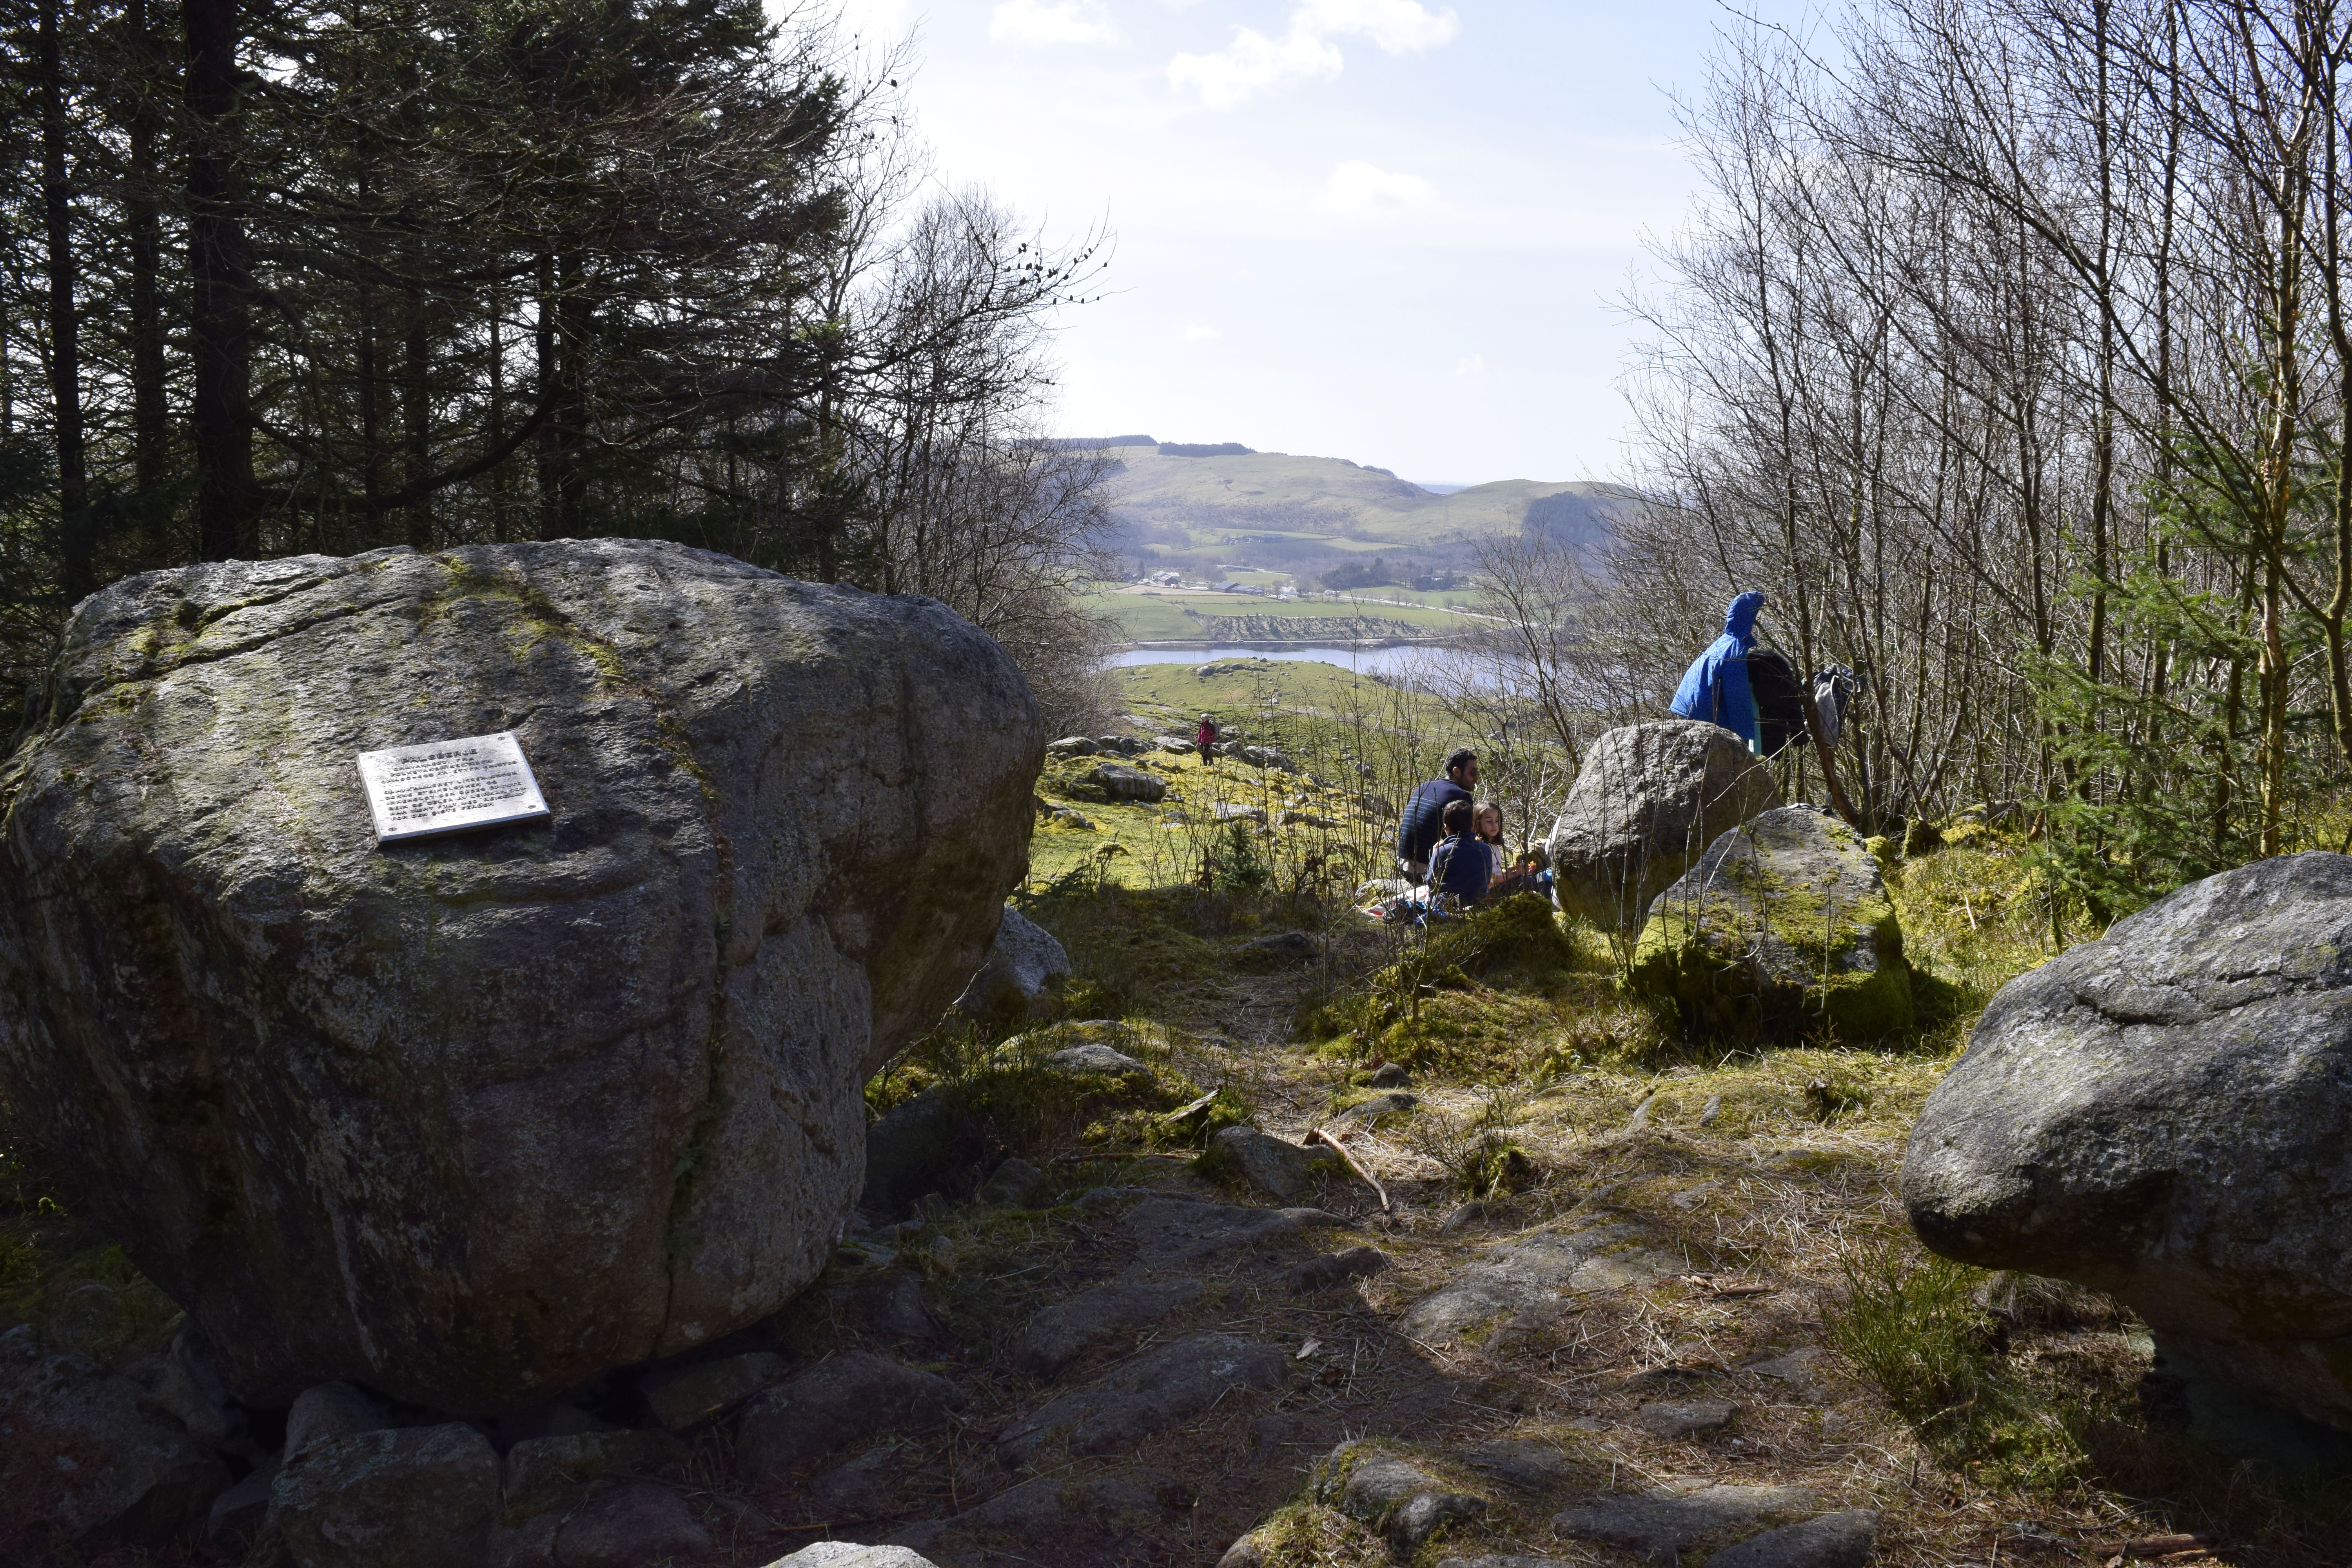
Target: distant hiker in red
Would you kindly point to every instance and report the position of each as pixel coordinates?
(1205, 737)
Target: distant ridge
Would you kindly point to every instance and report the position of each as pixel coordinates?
(1206, 449)
(1088, 443)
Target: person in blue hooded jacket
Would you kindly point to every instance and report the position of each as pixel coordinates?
(1715, 687)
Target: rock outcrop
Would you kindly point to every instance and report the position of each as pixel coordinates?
(82, 1458)
(2159, 1115)
(469, 1119)
(1784, 926)
(1649, 801)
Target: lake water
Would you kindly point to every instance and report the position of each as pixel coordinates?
(1363, 660)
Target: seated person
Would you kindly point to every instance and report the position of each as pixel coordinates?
(1460, 868)
(1424, 820)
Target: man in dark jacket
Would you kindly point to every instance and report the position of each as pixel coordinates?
(1424, 814)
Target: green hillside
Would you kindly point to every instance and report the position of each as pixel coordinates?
(1334, 502)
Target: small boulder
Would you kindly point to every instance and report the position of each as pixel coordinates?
(1390, 1074)
(1649, 801)
(1171, 1233)
(1335, 1268)
(1283, 950)
(1093, 1057)
(80, 1459)
(414, 1497)
(850, 1555)
(189, 1387)
(1072, 746)
(1161, 1389)
(331, 1411)
(1110, 783)
(1679, 1516)
(1274, 1166)
(1841, 1540)
(626, 1527)
(1060, 1334)
(1526, 1282)
(1784, 926)
(2158, 1115)
(1686, 1419)
(682, 1397)
(236, 1516)
(1234, 811)
(541, 1474)
(1023, 975)
(1388, 1102)
(1015, 1184)
(838, 1402)
(1398, 1499)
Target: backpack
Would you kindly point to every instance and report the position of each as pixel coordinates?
(1779, 708)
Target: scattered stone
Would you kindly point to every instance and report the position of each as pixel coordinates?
(1394, 1102)
(1834, 1541)
(1796, 1367)
(1523, 1283)
(1159, 1390)
(1014, 1185)
(392, 1499)
(1336, 1268)
(1234, 811)
(1274, 1166)
(1060, 1334)
(2155, 1115)
(627, 1527)
(850, 1555)
(916, 1146)
(1263, 757)
(1529, 1466)
(1170, 1233)
(237, 1514)
(188, 1385)
(1072, 746)
(1713, 1109)
(860, 1488)
(80, 1456)
(698, 937)
(1650, 800)
(328, 1411)
(541, 1473)
(1110, 783)
(1398, 1499)
(889, 1304)
(1024, 975)
(1283, 950)
(1076, 821)
(1252, 1551)
(1685, 1420)
(1668, 1520)
(1783, 926)
(1390, 1074)
(838, 1402)
(1464, 1216)
(1092, 1058)
(682, 1397)
(1051, 1515)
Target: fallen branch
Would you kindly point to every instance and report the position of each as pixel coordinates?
(1316, 1135)
(2155, 1546)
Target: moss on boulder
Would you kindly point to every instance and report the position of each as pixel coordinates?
(1783, 927)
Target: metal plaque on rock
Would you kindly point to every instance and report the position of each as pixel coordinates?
(481, 781)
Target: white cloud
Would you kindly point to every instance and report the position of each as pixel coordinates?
(1198, 334)
(1357, 187)
(1306, 52)
(1475, 365)
(1052, 22)
(1398, 26)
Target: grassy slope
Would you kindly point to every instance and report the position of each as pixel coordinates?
(1163, 616)
(1363, 501)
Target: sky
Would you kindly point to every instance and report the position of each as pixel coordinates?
(1386, 230)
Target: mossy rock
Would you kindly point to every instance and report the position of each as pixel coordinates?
(1784, 926)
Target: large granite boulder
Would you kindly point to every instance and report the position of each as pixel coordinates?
(469, 1119)
(1649, 801)
(2161, 1114)
(1782, 928)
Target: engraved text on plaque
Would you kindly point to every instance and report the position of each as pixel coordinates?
(481, 781)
